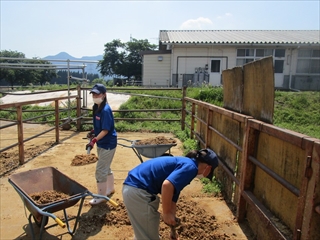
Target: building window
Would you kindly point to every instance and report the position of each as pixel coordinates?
(264, 52)
(279, 53)
(249, 55)
(308, 61)
(215, 65)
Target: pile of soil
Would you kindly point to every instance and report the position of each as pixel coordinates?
(156, 141)
(49, 196)
(83, 159)
(196, 223)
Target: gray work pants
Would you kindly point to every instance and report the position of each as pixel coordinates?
(142, 208)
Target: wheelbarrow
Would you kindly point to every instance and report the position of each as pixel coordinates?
(46, 179)
(149, 151)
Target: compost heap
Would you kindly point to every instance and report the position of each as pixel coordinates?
(156, 141)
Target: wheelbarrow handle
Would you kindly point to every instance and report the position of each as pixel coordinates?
(124, 145)
(60, 223)
(104, 197)
(113, 202)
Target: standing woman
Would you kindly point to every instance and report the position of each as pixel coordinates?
(105, 135)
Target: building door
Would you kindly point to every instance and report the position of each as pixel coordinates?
(278, 73)
(215, 72)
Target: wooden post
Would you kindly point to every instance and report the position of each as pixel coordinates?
(56, 104)
(208, 131)
(183, 110)
(79, 108)
(20, 135)
(193, 111)
(307, 175)
(247, 167)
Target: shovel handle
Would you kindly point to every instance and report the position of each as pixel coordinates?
(88, 150)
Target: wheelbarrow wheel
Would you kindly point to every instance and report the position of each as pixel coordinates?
(38, 221)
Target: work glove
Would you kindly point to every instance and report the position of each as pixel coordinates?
(91, 143)
(91, 134)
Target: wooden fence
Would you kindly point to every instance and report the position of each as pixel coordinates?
(271, 175)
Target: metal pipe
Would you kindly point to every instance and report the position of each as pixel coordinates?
(282, 181)
(39, 68)
(48, 60)
(39, 64)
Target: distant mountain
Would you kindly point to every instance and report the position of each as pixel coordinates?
(90, 67)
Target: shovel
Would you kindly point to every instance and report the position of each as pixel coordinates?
(88, 148)
(173, 233)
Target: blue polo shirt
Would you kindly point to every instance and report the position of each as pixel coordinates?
(150, 174)
(104, 121)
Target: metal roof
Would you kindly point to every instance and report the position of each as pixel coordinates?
(231, 37)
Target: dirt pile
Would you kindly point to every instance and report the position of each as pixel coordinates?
(196, 223)
(48, 196)
(83, 159)
(156, 141)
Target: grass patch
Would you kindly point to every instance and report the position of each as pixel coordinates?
(212, 187)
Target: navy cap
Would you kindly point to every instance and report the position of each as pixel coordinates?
(211, 159)
(98, 88)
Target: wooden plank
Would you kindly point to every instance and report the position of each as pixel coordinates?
(224, 139)
(258, 93)
(294, 138)
(287, 161)
(233, 89)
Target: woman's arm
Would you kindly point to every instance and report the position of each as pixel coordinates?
(168, 206)
(101, 134)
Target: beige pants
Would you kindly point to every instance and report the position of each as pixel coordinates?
(103, 167)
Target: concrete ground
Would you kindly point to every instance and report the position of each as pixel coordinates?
(114, 100)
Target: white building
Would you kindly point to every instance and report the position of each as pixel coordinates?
(190, 58)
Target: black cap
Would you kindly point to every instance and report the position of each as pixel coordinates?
(98, 88)
(211, 159)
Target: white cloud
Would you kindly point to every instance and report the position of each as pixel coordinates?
(200, 23)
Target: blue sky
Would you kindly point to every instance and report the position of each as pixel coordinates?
(81, 28)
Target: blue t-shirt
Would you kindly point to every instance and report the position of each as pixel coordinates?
(104, 121)
(150, 174)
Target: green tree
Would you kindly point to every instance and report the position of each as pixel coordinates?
(124, 59)
(43, 75)
(10, 75)
(20, 74)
